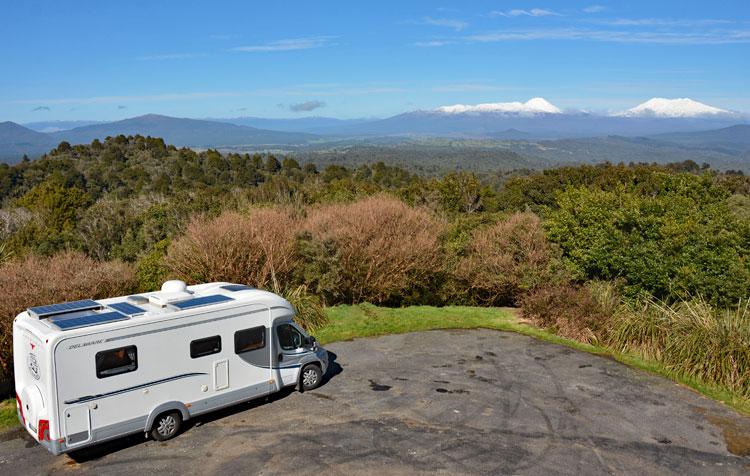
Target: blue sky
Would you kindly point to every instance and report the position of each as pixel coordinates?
(110, 59)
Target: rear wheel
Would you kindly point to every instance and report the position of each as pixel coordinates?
(166, 426)
(310, 377)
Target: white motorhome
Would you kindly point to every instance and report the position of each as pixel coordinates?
(89, 371)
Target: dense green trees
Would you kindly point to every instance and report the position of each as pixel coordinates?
(673, 238)
(668, 231)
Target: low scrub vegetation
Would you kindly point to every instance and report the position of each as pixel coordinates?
(256, 248)
(382, 249)
(508, 259)
(69, 276)
(568, 310)
(579, 249)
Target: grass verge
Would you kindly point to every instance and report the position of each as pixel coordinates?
(348, 322)
(8, 416)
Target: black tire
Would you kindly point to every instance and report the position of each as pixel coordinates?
(166, 426)
(310, 377)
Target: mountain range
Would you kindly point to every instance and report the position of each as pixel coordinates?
(681, 123)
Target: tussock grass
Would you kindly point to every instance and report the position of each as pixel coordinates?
(690, 338)
(310, 311)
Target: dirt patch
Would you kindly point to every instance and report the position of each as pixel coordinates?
(736, 437)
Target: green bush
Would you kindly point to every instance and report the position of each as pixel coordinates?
(151, 271)
(679, 240)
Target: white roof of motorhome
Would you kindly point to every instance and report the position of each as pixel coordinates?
(174, 300)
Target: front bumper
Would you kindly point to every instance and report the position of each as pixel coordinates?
(322, 355)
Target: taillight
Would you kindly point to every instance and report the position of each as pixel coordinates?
(42, 432)
(20, 408)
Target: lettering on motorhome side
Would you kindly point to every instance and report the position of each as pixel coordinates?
(148, 362)
(84, 344)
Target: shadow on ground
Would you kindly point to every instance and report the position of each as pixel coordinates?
(101, 450)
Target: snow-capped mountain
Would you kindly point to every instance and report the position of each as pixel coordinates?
(532, 106)
(680, 107)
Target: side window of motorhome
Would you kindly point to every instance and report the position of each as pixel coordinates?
(116, 361)
(249, 339)
(206, 346)
(289, 337)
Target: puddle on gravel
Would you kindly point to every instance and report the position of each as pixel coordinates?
(445, 390)
(378, 387)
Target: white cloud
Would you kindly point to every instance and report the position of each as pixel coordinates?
(594, 9)
(306, 106)
(516, 12)
(123, 99)
(457, 25)
(289, 44)
(318, 89)
(172, 56)
(471, 88)
(713, 37)
(666, 22)
(434, 43)
(224, 36)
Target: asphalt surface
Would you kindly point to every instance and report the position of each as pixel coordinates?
(457, 402)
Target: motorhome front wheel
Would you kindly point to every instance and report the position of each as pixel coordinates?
(311, 376)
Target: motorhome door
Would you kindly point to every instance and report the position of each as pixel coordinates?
(253, 347)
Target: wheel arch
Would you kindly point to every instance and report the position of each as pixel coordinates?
(166, 407)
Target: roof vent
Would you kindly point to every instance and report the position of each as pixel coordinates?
(174, 286)
(171, 292)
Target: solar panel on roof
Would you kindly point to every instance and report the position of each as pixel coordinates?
(64, 308)
(87, 319)
(202, 301)
(236, 287)
(126, 308)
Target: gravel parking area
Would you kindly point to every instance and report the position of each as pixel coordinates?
(458, 402)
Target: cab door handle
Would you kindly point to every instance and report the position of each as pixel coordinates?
(281, 357)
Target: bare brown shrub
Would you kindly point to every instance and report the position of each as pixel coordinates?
(255, 248)
(385, 248)
(576, 312)
(65, 277)
(508, 259)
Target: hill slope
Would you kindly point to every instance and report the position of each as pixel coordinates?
(183, 132)
(732, 139)
(16, 140)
